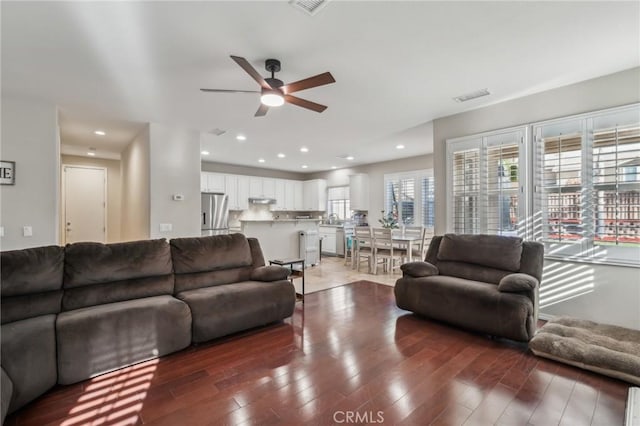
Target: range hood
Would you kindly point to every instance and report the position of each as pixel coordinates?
(253, 200)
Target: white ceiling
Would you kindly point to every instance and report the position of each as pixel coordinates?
(117, 65)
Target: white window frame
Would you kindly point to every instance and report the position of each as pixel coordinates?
(586, 250)
(417, 176)
(481, 142)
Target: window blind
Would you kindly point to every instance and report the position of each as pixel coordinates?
(404, 196)
(466, 190)
(428, 202)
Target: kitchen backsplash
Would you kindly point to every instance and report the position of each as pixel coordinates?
(262, 212)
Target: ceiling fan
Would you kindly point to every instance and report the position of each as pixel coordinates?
(274, 92)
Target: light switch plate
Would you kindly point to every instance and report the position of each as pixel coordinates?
(166, 227)
(27, 231)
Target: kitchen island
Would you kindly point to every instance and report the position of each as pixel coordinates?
(279, 238)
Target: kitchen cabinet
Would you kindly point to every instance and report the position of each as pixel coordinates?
(269, 188)
(255, 187)
(237, 189)
(289, 195)
(212, 182)
(298, 195)
(329, 239)
(359, 191)
(280, 195)
(315, 195)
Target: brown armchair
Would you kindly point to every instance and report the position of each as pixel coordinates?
(484, 283)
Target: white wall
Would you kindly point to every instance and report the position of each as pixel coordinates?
(135, 188)
(234, 169)
(174, 169)
(30, 138)
(615, 293)
(376, 172)
(114, 190)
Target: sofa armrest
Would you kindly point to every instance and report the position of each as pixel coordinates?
(514, 283)
(270, 273)
(419, 269)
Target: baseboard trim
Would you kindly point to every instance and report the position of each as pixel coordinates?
(632, 414)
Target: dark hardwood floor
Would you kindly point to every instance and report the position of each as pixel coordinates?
(348, 355)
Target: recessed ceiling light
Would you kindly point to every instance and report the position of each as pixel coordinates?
(205, 152)
(260, 160)
(281, 155)
(350, 158)
(304, 166)
(100, 132)
(241, 137)
(333, 167)
(91, 154)
(400, 146)
(304, 149)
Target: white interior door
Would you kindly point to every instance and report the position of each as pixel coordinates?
(85, 204)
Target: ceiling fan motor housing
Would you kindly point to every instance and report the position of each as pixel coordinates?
(274, 82)
(272, 65)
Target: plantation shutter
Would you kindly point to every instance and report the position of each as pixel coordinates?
(466, 187)
(428, 202)
(616, 180)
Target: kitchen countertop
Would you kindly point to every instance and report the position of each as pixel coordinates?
(281, 220)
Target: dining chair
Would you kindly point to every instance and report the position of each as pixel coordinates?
(363, 241)
(418, 251)
(349, 243)
(384, 250)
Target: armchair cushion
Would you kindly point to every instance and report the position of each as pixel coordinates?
(270, 273)
(513, 283)
(486, 250)
(419, 269)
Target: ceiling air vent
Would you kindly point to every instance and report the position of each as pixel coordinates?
(310, 7)
(217, 131)
(477, 94)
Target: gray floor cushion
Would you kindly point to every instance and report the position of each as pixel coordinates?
(606, 349)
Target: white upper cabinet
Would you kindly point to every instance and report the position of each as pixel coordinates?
(359, 191)
(237, 189)
(298, 195)
(243, 192)
(212, 182)
(255, 187)
(289, 194)
(269, 188)
(280, 195)
(315, 195)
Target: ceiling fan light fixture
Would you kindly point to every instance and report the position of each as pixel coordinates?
(272, 98)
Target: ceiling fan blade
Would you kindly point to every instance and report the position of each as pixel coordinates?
(308, 83)
(229, 91)
(304, 103)
(245, 65)
(262, 111)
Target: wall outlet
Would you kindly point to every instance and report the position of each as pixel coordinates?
(27, 231)
(166, 227)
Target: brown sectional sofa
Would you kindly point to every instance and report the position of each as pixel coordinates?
(89, 308)
(485, 283)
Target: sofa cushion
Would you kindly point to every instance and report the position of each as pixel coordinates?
(202, 254)
(221, 310)
(31, 281)
(107, 273)
(517, 282)
(98, 339)
(95, 263)
(494, 251)
(28, 349)
(270, 273)
(419, 269)
(6, 389)
(471, 304)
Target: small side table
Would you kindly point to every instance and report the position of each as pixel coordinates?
(296, 271)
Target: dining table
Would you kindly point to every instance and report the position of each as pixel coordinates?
(405, 241)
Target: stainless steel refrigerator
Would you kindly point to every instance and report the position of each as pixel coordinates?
(214, 219)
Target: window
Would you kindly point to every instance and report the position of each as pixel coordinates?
(409, 197)
(485, 191)
(338, 202)
(587, 202)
